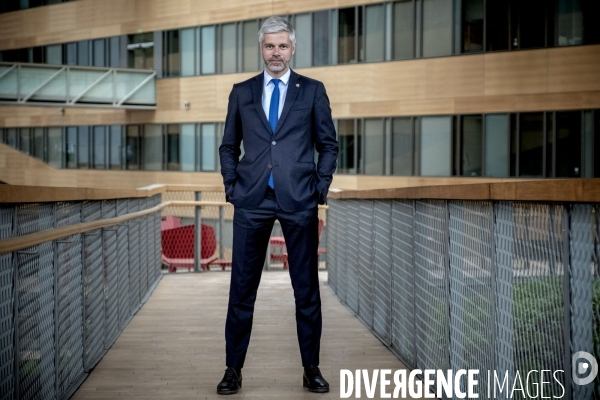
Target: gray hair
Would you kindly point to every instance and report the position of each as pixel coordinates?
(276, 24)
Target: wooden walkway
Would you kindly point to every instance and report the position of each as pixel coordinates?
(174, 347)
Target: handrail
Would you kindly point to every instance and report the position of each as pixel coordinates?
(571, 190)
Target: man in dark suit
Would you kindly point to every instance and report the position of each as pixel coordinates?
(282, 118)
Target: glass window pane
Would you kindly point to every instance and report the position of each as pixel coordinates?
(597, 143)
(208, 50)
(437, 28)
(404, 17)
(54, 54)
(497, 145)
(347, 36)
(303, 56)
(436, 146)
(588, 144)
(71, 147)
(71, 53)
(141, 51)
(402, 146)
(374, 25)
(228, 48)
(251, 46)
(83, 53)
(550, 145)
(208, 147)
(321, 38)
(38, 143)
(83, 147)
(11, 138)
(132, 147)
(188, 147)
(346, 163)
(99, 147)
(374, 146)
(570, 22)
(496, 25)
(173, 147)
(532, 24)
(99, 53)
(38, 55)
(187, 52)
(532, 144)
(568, 144)
(471, 145)
(472, 26)
(25, 141)
(55, 148)
(115, 146)
(153, 147)
(171, 58)
(115, 52)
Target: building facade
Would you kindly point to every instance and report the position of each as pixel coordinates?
(470, 88)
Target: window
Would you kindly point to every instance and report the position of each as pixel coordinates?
(99, 46)
(71, 147)
(208, 55)
(171, 56)
(133, 147)
(228, 48)
(570, 22)
(347, 37)
(497, 145)
(403, 30)
(83, 52)
(173, 148)
(496, 25)
(25, 140)
(99, 149)
(115, 146)
(71, 53)
(38, 144)
(346, 139)
(568, 144)
(402, 146)
(374, 33)
(437, 28)
(250, 46)
(83, 150)
(435, 146)
(188, 147)
(472, 26)
(188, 47)
(531, 152)
(374, 142)
(303, 26)
(54, 54)
(209, 158)
(534, 23)
(152, 148)
(471, 146)
(114, 52)
(141, 51)
(321, 38)
(55, 147)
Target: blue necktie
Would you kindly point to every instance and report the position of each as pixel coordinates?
(274, 117)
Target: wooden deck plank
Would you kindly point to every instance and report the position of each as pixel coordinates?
(174, 348)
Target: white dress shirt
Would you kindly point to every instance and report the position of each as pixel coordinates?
(268, 87)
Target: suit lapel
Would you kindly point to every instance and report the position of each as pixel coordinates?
(257, 90)
(290, 97)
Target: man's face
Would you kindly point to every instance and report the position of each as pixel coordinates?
(277, 50)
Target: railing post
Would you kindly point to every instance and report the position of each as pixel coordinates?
(198, 234)
(220, 228)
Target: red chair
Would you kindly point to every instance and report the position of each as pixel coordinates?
(279, 241)
(178, 247)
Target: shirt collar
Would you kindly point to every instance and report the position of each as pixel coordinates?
(284, 79)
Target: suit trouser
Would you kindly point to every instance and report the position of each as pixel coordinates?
(251, 233)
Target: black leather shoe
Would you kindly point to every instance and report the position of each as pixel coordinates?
(231, 382)
(314, 381)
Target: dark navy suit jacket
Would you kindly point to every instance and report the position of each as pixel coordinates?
(305, 124)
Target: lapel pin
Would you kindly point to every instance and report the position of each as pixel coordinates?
(297, 85)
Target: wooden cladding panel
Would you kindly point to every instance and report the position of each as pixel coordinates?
(518, 72)
(573, 69)
(101, 18)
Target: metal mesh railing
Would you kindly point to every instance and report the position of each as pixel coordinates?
(64, 302)
(507, 287)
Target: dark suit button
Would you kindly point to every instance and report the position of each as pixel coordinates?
(269, 166)
(273, 143)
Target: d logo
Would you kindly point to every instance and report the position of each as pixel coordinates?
(582, 368)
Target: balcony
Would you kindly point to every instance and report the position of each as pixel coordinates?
(70, 86)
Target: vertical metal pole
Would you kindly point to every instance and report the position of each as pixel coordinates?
(198, 234)
(567, 299)
(220, 228)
